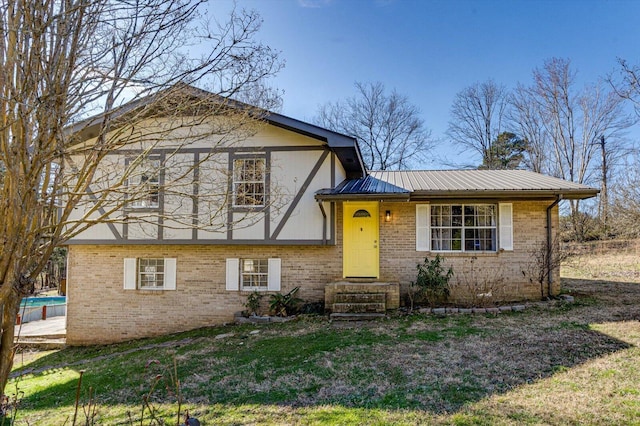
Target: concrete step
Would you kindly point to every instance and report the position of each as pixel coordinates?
(42, 343)
(360, 298)
(358, 308)
(338, 316)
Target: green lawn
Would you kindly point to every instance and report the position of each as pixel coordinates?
(556, 363)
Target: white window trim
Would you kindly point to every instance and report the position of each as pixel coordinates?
(234, 277)
(244, 274)
(143, 190)
(236, 182)
(131, 275)
(504, 228)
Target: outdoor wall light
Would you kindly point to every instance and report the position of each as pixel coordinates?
(387, 216)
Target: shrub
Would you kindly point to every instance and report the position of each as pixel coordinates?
(432, 282)
(283, 305)
(313, 308)
(253, 302)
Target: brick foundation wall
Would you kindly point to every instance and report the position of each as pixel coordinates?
(101, 311)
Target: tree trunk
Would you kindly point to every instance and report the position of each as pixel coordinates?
(7, 347)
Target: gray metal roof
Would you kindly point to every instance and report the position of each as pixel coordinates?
(421, 184)
(367, 187)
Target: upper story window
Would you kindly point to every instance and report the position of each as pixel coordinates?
(249, 182)
(144, 185)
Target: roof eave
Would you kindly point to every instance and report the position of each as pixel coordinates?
(568, 194)
(364, 197)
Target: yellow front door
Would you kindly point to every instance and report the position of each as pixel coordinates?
(361, 236)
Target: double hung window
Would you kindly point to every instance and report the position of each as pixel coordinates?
(249, 182)
(144, 185)
(253, 274)
(149, 273)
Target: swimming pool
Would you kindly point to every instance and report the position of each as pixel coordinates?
(43, 301)
(37, 308)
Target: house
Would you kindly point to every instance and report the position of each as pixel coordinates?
(291, 204)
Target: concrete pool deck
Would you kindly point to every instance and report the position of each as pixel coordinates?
(49, 333)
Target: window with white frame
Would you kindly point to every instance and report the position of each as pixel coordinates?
(464, 227)
(150, 273)
(253, 274)
(249, 182)
(144, 185)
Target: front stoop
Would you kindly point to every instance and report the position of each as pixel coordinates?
(348, 300)
(337, 316)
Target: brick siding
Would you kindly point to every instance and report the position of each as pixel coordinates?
(101, 311)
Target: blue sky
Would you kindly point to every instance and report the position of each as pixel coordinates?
(431, 50)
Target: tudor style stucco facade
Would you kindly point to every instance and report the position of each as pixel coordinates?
(268, 214)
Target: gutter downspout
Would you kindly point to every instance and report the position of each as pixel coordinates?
(550, 245)
(324, 223)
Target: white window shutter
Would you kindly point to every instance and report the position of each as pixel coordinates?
(274, 266)
(233, 274)
(169, 273)
(506, 226)
(130, 273)
(422, 227)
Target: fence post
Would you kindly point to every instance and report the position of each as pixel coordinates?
(44, 312)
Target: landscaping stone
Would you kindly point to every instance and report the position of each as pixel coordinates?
(477, 310)
(254, 332)
(224, 336)
(259, 320)
(282, 319)
(567, 298)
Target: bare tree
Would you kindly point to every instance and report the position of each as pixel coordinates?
(63, 60)
(525, 118)
(567, 124)
(625, 206)
(388, 127)
(477, 117)
(627, 84)
(545, 259)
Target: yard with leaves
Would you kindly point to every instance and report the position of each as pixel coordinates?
(554, 363)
